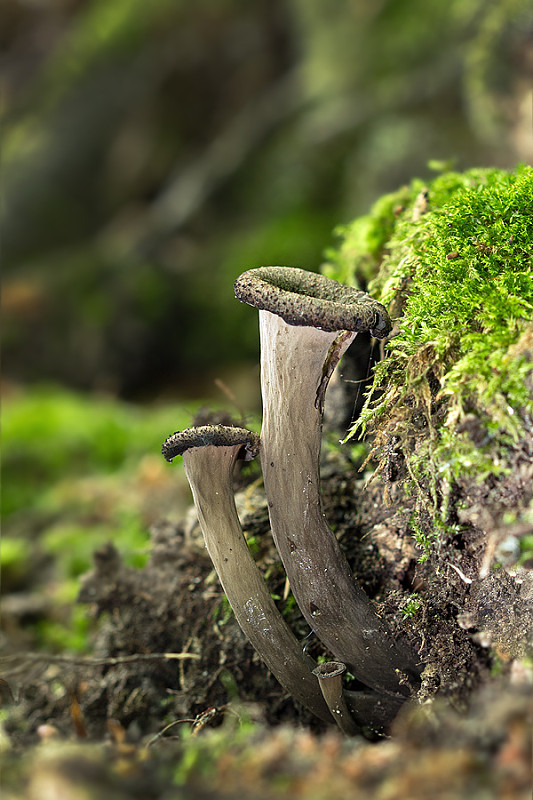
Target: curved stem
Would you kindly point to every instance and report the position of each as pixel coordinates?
(295, 366)
(209, 471)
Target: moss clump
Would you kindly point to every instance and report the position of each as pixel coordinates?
(452, 260)
(79, 472)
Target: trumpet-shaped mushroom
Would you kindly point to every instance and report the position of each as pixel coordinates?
(329, 676)
(354, 712)
(307, 322)
(209, 456)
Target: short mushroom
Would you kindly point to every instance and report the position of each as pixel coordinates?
(307, 321)
(209, 456)
(329, 675)
(355, 712)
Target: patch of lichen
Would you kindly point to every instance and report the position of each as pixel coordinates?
(452, 260)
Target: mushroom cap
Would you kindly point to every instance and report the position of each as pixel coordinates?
(329, 669)
(308, 299)
(213, 436)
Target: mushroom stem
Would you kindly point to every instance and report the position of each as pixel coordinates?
(209, 470)
(355, 712)
(329, 677)
(296, 363)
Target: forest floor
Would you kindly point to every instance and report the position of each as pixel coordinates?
(162, 697)
(211, 721)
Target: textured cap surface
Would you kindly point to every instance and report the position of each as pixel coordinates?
(305, 298)
(211, 436)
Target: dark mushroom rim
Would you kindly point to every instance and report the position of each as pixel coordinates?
(307, 299)
(213, 436)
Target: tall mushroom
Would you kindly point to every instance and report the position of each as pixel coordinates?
(307, 321)
(209, 455)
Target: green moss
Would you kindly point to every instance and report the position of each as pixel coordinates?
(72, 544)
(71, 634)
(200, 754)
(222, 612)
(51, 434)
(526, 550)
(14, 555)
(411, 606)
(452, 261)
(78, 472)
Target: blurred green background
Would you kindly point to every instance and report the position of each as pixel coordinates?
(152, 151)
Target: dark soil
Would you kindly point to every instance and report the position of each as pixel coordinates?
(472, 629)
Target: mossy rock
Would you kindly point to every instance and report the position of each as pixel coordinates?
(453, 396)
(449, 415)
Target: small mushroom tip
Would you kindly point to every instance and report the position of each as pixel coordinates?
(211, 436)
(329, 669)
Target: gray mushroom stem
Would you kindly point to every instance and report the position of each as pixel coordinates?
(297, 360)
(209, 465)
(354, 712)
(329, 676)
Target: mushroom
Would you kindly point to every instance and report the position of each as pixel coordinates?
(307, 321)
(209, 455)
(355, 712)
(329, 676)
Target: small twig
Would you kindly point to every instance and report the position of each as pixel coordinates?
(361, 380)
(162, 732)
(181, 670)
(231, 397)
(460, 573)
(44, 658)
(198, 723)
